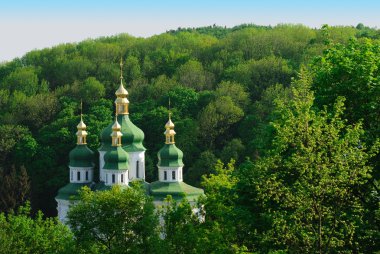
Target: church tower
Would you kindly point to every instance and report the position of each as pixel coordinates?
(81, 165)
(131, 140)
(170, 176)
(115, 169)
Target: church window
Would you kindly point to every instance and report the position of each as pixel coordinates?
(173, 175)
(86, 175)
(165, 175)
(122, 178)
(71, 175)
(113, 178)
(137, 169)
(78, 175)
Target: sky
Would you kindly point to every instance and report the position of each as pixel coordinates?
(35, 24)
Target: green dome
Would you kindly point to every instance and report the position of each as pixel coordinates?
(81, 156)
(131, 140)
(116, 159)
(170, 156)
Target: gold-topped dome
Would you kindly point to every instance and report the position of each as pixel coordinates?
(116, 133)
(81, 124)
(81, 133)
(169, 133)
(121, 93)
(169, 123)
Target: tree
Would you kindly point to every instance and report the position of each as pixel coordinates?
(24, 80)
(115, 221)
(14, 188)
(192, 75)
(19, 233)
(352, 71)
(180, 227)
(217, 117)
(90, 90)
(306, 190)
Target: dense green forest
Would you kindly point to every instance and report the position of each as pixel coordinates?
(280, 125)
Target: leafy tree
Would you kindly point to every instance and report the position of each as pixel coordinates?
(257, 75)
(19, 233)
(14, 187)
(217, 117)
(90, 90)
(180, 227)
(352, 71)
(192, 74)
(306, 189)
(115, 221)
(22, 79)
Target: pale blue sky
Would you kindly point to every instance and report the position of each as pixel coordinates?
(31, 24)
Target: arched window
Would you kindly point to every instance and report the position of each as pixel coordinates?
(137, 169)
(78, 175)
(173, 175)
(86, 175)
(165, 175)
(71, 175)
(122, 178)
(113, 178)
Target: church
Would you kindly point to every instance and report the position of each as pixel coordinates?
(122, 161)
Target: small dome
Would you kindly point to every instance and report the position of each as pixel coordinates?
(81, 125)
(81, 156)
(132, 139)
(170, 156)
(169, 124)
(116, 126)
(116, 159)
(121, 91)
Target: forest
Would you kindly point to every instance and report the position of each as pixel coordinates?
(280, 125)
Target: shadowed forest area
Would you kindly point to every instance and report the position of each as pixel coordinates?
(280, 125)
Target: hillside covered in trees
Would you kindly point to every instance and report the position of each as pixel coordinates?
(280, 126)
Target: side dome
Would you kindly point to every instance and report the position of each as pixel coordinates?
(81, 156)
(132, 139)
(116, 159)
(170, 156)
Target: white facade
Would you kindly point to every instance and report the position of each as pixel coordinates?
(81, 174)
(170, 174)
(63, 208)
(136, 163)
(113, 177)
(102, 177)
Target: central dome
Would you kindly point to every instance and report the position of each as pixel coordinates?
(131, 140)
(116, 159)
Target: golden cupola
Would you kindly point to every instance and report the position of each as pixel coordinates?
(116, 133)
(81, 133)
(169, 132)
(121, 93)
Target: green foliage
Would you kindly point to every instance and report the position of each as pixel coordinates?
(14, 187)
(180, 227)
(308, 184)
(115, 221)
(352, 71)
(21, 234)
